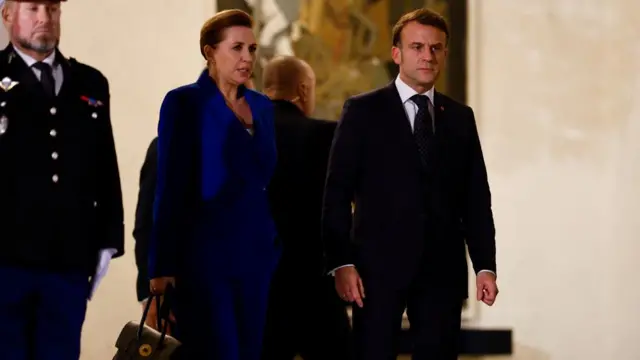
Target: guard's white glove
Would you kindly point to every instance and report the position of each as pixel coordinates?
(104, 258)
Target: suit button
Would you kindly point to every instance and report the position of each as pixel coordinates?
(3, 104)
(95, 204)
(54, 178)
(53, 133)
(53, 111)
(54, 155)
(94, 115)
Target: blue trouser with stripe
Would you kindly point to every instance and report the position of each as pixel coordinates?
(41, 314)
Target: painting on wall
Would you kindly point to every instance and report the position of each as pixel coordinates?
(348, 43)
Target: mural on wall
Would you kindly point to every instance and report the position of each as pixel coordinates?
(348, 43)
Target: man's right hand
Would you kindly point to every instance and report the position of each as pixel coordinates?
(349, 285)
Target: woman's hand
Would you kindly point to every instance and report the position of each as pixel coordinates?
(159, 285)
(152, 316)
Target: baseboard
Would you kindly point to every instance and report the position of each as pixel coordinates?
(473, 342)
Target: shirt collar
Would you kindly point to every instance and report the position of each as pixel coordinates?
(30, 61)
(406, 92)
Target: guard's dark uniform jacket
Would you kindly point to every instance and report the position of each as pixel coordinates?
(60, 194)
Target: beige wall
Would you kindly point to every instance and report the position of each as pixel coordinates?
(552, 83)
(553, 86)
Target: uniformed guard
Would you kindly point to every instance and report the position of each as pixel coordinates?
(61, 213)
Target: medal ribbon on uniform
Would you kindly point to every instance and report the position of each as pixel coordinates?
(90, 101)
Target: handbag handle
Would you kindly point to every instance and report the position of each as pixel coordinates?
(160, 310)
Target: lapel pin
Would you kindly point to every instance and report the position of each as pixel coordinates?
(11, 56)
(90, 101)
(441, 108)
(7, 84)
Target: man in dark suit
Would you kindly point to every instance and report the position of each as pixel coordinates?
(410, 159)
(61, 214)
(304, 315)
(144, 223)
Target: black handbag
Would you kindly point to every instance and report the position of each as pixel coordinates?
(138, 341)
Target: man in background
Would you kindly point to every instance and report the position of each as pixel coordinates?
(143, 224)
(305, 316)
(61, 214)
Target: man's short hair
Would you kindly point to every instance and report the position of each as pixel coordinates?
(422, 16)
(283, 74)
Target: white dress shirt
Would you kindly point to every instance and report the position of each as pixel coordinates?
(105, 255)
(411, 108)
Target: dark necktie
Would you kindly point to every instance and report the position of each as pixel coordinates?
(46, 78)
(422, 126)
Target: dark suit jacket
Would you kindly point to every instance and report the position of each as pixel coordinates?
(144, 217)
(407, 218)
(60, 182)
(295, 191)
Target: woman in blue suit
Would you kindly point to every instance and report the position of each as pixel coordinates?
(213, 235)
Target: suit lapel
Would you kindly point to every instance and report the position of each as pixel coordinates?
(442, 121)
(444, 140)
(439, 108)
(400, 125)
(68, 78)
(219, 125)
(397, 113)
(215, 110)
(255, 112)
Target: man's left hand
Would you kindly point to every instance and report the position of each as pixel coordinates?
(487, 287)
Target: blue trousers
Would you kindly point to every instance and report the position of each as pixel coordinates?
(222, 317)
(41, 314)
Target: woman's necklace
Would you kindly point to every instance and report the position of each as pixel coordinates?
(248, 126)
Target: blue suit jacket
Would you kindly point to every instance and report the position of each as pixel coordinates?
(211, 202)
